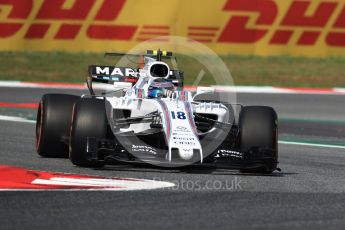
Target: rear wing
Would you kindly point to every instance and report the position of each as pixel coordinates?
(156, 54)
(113, 75)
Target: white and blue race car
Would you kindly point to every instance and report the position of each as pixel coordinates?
(152, 119)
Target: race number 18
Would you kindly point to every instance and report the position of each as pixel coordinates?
(179, 115)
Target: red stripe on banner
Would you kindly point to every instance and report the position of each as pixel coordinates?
(201, 34)
(111, 32)
(154, 39)
(19, 105)
(68, 31)
(154, 33)
(202, 28)
(202, 40)
(156, 27)
(9, 29)
(37, 30)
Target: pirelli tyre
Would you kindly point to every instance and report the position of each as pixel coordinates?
(88, 120)
(258, 131)
(53, 124)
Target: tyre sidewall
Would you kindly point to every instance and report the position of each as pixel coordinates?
(88, 120)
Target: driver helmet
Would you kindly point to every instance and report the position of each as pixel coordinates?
(158, 87)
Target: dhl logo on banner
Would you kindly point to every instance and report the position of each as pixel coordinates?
(260, 27)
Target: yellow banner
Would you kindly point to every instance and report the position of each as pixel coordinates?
(248, 27)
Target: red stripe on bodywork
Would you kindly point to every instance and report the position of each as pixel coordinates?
(182, 96)
(167, 118)
(190, 117)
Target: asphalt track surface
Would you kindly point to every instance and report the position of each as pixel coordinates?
(308, 193)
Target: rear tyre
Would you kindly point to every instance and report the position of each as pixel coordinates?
(258, 129)
(88, 120)
(53, 124)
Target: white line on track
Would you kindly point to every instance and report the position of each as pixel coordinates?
(104, 184)
(312, 144)
(16, 119)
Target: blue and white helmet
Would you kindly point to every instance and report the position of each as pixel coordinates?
(158, 87)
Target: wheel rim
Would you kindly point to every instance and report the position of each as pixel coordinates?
(39, 126)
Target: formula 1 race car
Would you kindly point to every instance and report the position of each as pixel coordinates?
(152, 119)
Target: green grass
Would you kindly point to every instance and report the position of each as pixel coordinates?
(245, 70)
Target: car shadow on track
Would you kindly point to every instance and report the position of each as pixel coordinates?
(188, 170)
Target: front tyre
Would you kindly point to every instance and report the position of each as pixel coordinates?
(88, 120)
(259, 131)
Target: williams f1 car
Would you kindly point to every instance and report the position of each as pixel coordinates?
(149, 118)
